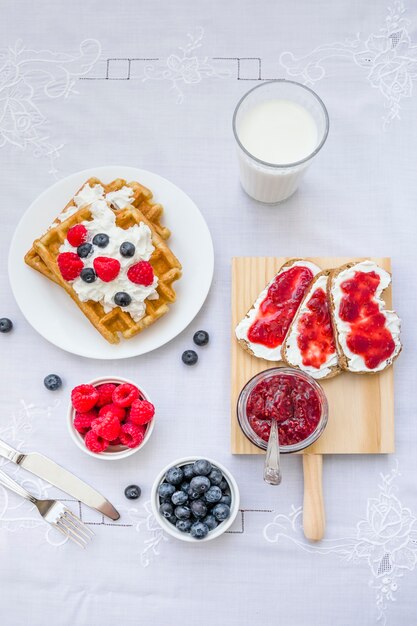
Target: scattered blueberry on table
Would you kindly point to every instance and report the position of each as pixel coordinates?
(132, 492)
(6, 325)
(189, 357)
(195, 498)
(201, 338)
(52, 382)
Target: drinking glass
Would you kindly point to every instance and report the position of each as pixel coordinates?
(271, 183)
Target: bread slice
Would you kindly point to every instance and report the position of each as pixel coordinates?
(261, 350)
(361, 362)
(291, 352)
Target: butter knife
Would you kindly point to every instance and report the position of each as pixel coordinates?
(59, 477)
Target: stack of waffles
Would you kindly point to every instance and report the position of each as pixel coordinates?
(139, 208)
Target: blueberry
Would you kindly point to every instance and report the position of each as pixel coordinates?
(133, 492)
(185, 486)
(184, 525)
(198, 508)
(166, 509)
(88, 275)
(179, 497)
(101, 240)
(202, 467)
(226, 499)
(221, 512)
(6, 325)
(127, 249)
(52, 382)
(199, 530)
(182, 512)
(215, 476)
(199, 484)
(224, 485)
(165, 491)
(201, 338)
(214, 494)
(189, 357)
(193, 495)
(85, 250)
(174, 475)
(121, 298)
(172, 519)
(210, 521)
(188, 471)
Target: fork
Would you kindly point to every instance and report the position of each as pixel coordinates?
(53, 512)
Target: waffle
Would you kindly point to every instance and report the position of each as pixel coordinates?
(166, 267)
(142, 200)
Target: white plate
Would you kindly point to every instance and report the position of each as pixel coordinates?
(49, 309)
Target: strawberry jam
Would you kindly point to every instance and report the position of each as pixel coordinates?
(291, 400)
(315, 334)
(277, 310)
(368, 336)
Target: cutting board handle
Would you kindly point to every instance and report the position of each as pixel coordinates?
(314, 521)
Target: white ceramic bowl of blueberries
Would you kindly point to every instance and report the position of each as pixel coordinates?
(195, 499)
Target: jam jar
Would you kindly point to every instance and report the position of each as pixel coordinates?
(290, 396)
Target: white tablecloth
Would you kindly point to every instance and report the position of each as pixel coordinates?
(154, 85)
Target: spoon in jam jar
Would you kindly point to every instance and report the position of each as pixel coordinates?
(272, 466)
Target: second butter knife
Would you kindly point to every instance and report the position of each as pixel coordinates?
(59, 477)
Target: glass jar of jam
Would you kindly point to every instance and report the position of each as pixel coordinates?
(290, 396)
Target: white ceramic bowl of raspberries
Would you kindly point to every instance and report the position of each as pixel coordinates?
(195, 499)
(110, 418)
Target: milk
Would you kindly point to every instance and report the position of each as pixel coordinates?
(279, 127)
(278, 132)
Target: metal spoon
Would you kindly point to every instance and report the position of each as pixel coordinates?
(272, 467)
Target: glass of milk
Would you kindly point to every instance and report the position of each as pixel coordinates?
(280, 126)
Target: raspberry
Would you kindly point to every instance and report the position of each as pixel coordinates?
(106, 268)
(94, 443)
(115, 442)
(82, 421)
(107, 427)
(131, 435)
(141, 273)
(77, 235)
(113, 410)
(124, 394)
(141, 412)
(105, 393)
(84, 397)
(70, 265)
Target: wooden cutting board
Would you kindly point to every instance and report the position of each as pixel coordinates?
(361, 407)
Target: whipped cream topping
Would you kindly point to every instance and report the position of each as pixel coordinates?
(293, 353)
(88, 195)
(104, 221)
(393, 322)
(242, 329)
(119, 199)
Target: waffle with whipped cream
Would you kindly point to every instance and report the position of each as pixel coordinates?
(121, 294)
(119, 194)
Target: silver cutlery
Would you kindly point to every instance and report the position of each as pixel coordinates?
(53, 512)
(50, 471)
(272, 466)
